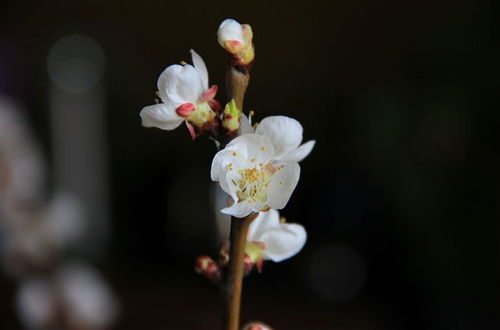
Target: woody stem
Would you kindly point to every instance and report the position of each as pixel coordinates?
(236, 85)
(234, 277)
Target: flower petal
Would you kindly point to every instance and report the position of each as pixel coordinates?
(230, 29)
(245, 126)
(161, 116)
(282, 185)
(201, 68)
(251, 146)
(300, 153)
(238, 210)
(264, 221)
(180, 84)
(284, 242)
(285, 134)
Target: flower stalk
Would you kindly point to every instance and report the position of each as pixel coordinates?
(234, 278)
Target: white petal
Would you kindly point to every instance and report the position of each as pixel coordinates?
(251, 146)
(283, 242)
(282, 185)
(161, 116)
(201, 68)
(221, 161)
(230, 29)
(180, 84)
(285, 134)
(245, 126)
(238, 210)
(300, 153)
(264, 221)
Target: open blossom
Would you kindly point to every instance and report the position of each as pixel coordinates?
(245, 171)
(272, 239)
(184, 91)
(284, 133)
(236, 38)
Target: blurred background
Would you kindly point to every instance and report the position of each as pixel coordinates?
(400, 196)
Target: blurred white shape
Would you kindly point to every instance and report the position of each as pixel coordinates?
(35, 303)
(64, 220)
(21, 168)
(75, 63)
(38, 239)
(337, 272)
(86, 297)
(223, 221)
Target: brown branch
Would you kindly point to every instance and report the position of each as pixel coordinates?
(234, 279)
(236, 85)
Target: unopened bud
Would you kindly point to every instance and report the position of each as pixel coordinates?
(231, 117)
(256, 326)
(206, 266)
(236, 39)
(224, 253)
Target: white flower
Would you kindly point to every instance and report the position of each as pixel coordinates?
(86, 297)
(285, 134)
(184, 91)
(236, 38)
(244, 171)
(277, 240)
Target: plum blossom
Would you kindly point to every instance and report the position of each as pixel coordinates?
(185, 94)
(245, 171)
(236, 39)
(271, 238)
(284, 133)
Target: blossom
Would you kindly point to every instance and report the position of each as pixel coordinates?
(284, 133)
(244, 171)
(236, 38)
(184, 91)
(273, 239)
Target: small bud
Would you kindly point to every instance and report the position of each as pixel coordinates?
(256, 326)
(231, 118)
(224, 253)
(236, 39)
(254, 252)
(206, 266)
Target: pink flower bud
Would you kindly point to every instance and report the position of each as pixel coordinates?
(206, 266)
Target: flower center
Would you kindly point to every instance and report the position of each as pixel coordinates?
(253, 183)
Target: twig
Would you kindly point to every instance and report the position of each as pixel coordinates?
(234, 279)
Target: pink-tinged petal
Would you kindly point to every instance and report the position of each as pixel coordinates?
(284, 242)
(201, 68)
(282, 185)
(161, 116)
(239, 210)
(300, 153)
(264, 221)
(284, 132)
(185, 109)
(230, 29)
(191, 130)
(210, 93)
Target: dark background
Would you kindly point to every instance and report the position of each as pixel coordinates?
(399, 197)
